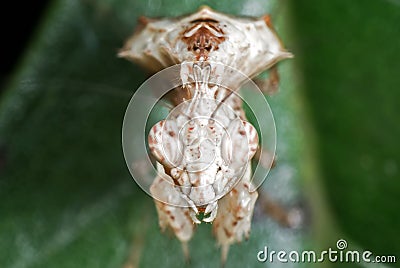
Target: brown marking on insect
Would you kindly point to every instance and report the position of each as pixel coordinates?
(203, 37)
(227, 233)
(216, 93)
(176, 182)
(142, 22)
(239, 218)
(179, 95)
(161, 158)
(196, 182)
(201, 209)
(204, 20)
(268, 21)
(152, 141)
(273, 80)
(167, 170)
(269, 86)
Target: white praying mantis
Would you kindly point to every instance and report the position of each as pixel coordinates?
(204, 147)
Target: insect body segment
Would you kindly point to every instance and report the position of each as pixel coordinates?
(246, 44)
(205, 145)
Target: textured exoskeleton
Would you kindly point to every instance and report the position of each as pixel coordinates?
(204, 147)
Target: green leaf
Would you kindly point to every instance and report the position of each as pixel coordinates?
(349, 57)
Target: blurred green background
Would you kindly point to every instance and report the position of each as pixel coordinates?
(67, 199)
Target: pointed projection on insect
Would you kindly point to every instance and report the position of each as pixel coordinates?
(205, 145)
